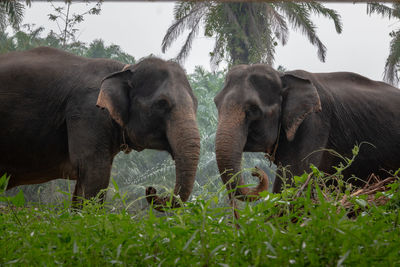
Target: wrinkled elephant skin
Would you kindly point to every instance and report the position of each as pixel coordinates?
(65, 116)
(297, 116)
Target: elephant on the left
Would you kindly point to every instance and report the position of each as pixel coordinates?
(51, 127)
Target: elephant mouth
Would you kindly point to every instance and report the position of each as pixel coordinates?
(268, 150)
(131, 145)
(256, 145)
(261, 142)
(138, 148)
(159, 142)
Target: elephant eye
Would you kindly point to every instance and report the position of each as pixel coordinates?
(161, 105)
(253, 113)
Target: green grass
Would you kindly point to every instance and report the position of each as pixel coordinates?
(279, 230)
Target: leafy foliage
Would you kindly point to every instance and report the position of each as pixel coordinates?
(30, 37)
(279, 230)
(67, 21)
(392, 64)
(11, 13)
(97, 49)
(246, 32)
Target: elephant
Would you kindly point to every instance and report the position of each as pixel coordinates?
(298, 118)
(65, 116)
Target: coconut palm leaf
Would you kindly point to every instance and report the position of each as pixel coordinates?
(11, 13)
(380, 9)
(187, 15)
(299, 16)
(217, 54)
(269, 51)
(183, 53)
(393, 60)
(277, 22)
(318, 9)
(247, 32)
(233, 21)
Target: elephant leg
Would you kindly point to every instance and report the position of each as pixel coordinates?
(91, 158)
(282, 176)
(93, 176)
(294, 158)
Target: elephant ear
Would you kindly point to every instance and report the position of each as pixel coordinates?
(300, 98)
(114, 96)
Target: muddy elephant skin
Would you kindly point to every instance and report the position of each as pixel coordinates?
(296, 116)
(64, 116)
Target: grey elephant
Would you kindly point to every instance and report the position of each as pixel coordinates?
(51, 127)
(297, 116)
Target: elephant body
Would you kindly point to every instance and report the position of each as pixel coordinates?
(303, 116)
(51, 127)
(354, 109)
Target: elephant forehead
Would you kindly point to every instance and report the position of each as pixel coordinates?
(184, 100)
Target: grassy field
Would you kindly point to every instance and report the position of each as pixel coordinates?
(305, 225)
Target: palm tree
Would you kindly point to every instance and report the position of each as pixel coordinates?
(6, 43)
(246, 32)
(393, 60)
(11, 13)
(97, 49)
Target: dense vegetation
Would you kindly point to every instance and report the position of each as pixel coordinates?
(304, 225)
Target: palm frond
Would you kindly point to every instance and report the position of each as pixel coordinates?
(183, 21)
(299, 17)
(183, 53)
(216, 55)
(396, 10)
(319, 9)
(393, 61)
(233, 21)
(277, 22)
(269, 49)
(380, 9)
(256, 25)
(3, 21)
(7, 43)
(181, 9)
(14, 11)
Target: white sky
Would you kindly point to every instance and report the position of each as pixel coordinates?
(139, 27)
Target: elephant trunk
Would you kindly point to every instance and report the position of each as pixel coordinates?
(184, 139)
(230, 141)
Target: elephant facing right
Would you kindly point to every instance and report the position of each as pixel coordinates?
(298, 116)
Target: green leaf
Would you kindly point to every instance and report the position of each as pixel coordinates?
(18, 200)
(361, 202)
(3, 183)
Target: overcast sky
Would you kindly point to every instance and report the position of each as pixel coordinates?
(139, 27)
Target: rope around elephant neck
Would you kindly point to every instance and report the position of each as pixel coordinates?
(124, 146)
(271, 157)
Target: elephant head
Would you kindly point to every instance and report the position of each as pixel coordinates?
(153, 103)
(255, 103)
